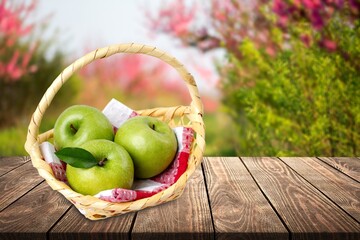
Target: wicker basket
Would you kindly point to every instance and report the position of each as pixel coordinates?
(94, 208)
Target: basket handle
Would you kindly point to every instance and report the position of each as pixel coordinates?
(33, 130)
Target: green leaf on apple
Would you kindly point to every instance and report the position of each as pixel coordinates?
(77, 157)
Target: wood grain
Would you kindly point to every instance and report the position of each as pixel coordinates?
(341, 189)
(346, 165)
(187, 217)
(33, 214)
(9, 163)
(303, 208)
(17, 182)
(73, 225)
(249, 198)
(239, 209)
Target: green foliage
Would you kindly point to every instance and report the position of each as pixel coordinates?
(216, 144)
(77, 157)
(12, 141)
(19, 98)
(303, 101)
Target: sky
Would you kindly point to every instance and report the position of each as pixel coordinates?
(83, 24)
(98, 22)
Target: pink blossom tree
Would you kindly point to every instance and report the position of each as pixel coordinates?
(291, 65)
(138, 80)
(226, 23)
(15, 60)
(25, 72)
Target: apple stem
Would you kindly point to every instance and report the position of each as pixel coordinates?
(153, 126)
(73, 128)
(102, 162)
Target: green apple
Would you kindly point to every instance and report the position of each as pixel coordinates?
(150, 142)
(115, 169)
(79, 124)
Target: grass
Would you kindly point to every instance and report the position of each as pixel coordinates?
(219, 135)
(12, 141)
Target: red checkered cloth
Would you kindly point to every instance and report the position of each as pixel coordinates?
(147, 188)
(58, 167)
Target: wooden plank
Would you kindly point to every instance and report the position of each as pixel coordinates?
(341, 189)
(73, 225)
(17, 182)
(33, 215)
(240, 210)
(9, 163)
(303, 208)
(187, 217)
(347, 165)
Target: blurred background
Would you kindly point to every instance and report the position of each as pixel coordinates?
(277, 77)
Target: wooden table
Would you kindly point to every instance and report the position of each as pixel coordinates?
(227, 198)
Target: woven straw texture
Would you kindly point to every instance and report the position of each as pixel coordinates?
(191, 115)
